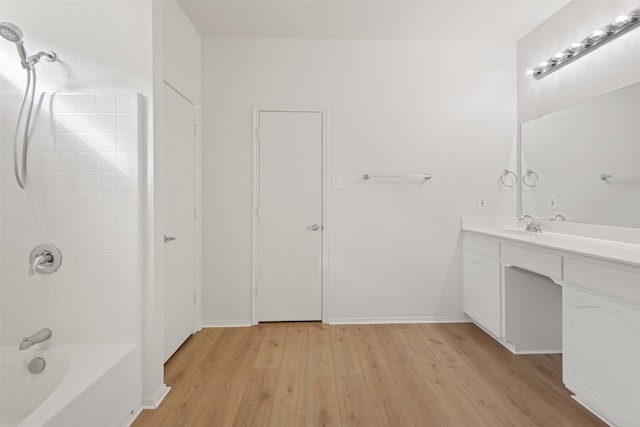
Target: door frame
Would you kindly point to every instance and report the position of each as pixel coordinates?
(255, 228)
(197, 285)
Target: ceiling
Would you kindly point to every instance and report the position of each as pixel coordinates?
(451, 20)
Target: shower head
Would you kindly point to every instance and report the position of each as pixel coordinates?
(14, 34)
(11, 32)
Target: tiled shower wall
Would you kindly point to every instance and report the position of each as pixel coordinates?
(82, 196)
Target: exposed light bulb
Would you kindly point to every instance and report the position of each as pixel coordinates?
(544, 64)
(558, 55)
(621, 20)
(530, 71)
(597, 35)
(576, 46)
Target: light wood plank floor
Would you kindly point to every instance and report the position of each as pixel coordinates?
(310, 374)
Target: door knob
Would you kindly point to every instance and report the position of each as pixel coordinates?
(168, 238)
(314, 227)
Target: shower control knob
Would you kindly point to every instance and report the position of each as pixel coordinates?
(168, 238)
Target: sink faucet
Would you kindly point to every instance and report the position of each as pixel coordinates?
(531, 224)
(41, 335)
(559, 217)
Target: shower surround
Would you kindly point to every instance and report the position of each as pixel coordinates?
(82, 196)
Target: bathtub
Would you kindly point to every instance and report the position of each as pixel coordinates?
(80, 386)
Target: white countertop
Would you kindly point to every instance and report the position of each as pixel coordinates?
(610, 250)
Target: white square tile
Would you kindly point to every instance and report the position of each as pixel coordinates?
(87, 202)
(63, 202)
(87, 142)
(46, 141)
(128, 182)
(127, 260)
(106, 123)
(63, 103)
(86, 260)
(87, 182)
(128, 240)
(46, 162)
(106, 103)
(66, 142)
(127, 142)
(107, 162)
(107, 241)
(65, 162)
(10, 102)
(127, 161)
(86, 123)
(65, 181)
(127, 123)
(127, 103)
(85, 103)
(86, 221)
(127, 221)
(107, 143)
(8, 121)
(127, 201)
(108, 201)
(107, 221)
(86, 240)
(65, 122)
(86, 162)
(107, 181)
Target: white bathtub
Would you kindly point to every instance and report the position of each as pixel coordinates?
(80, 386)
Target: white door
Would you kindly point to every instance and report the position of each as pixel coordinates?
(289, 216)
(179, 210)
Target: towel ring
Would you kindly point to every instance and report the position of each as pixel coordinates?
(505, 174)
(529, 173)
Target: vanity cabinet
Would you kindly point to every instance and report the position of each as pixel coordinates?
(598, 316)
(481, 283)
(601, 361)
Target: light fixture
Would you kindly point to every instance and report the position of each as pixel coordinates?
(619, 26)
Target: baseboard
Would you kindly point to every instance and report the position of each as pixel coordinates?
(157, 400)
(226, 324)
(585, 404)
(394, 320)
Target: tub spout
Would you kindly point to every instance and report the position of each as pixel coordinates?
(41, 335)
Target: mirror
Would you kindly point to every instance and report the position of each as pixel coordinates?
(583, 162)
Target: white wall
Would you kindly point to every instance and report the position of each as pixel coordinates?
(615, 65)
(394, 248)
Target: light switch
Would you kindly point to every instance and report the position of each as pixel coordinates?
(552, 202)
(336, 182)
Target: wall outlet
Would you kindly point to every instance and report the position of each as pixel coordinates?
(482, 202)
(336, 182)
(552, 202)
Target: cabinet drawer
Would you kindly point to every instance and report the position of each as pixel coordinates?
(479, 245)
(617, 283)
(532, 260)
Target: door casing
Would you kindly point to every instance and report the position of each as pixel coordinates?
(255, 229)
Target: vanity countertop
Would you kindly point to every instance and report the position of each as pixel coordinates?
(609, 250)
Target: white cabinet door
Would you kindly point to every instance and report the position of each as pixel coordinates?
(601, 362)
(482, 291)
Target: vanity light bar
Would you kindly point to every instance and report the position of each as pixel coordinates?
(619, 26)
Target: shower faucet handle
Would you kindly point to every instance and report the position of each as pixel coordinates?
(44, 259)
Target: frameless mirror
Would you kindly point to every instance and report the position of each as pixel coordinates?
(583, 162)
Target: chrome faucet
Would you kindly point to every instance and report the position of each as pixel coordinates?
(558, 217)
(41, 335)
(531, 224)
